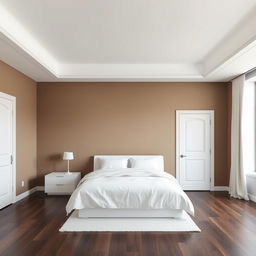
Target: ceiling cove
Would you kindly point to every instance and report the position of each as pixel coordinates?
(118, 40)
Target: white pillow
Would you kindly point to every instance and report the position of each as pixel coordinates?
(147, 163)
(108, 163)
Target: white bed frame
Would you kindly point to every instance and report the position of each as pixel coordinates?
(129, 213)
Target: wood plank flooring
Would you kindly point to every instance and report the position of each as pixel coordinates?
(30, 227)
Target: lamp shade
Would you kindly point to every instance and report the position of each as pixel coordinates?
(68, 156)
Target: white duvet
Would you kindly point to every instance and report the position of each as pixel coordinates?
(129, 189)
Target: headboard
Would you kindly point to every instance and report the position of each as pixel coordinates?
(96, 162)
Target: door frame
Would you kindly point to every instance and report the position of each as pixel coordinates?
(13, 100)
(178, 114)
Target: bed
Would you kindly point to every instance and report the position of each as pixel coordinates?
(129, 186)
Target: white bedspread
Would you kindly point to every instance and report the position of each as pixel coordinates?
(129, 189)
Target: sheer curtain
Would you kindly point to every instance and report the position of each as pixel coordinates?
(248, 127)
(237, 183)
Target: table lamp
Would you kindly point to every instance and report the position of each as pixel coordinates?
(68, 156)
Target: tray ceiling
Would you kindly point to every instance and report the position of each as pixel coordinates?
(137, 40)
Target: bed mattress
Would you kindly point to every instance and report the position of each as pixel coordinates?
(129, 189)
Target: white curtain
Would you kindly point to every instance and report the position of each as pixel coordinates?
(237, 183)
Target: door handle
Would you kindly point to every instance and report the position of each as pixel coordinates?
(181, 156)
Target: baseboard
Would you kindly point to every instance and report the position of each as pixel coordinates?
(252, 197)
(40, 188)
(29, 192)
(221, 188)
(25, 194)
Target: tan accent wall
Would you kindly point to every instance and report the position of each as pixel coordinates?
(24, 89)
(229, 100)
(123, 118)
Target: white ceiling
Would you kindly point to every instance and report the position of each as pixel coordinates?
(135, 40)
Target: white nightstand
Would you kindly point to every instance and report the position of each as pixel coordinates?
(61, 183)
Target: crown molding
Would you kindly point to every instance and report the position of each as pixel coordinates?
(13, 31)
(120, 72)
(239, 42)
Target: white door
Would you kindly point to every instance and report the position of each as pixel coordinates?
(6, 150)
(193, 149)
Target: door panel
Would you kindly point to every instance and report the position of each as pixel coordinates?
(194, 150)
(6, 181)
(195, 169)
(195, 135)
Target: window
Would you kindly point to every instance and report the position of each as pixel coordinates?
(249, 127)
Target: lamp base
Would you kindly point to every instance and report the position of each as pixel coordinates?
(68, 172)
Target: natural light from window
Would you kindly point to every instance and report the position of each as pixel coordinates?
(249, 128)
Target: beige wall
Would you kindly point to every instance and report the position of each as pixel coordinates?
(24, 89)
(107, 118)
(123, 118)
(229, 101)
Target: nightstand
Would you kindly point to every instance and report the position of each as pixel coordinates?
(61, 183)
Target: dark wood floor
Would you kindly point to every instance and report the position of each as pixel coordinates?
(30, 227)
